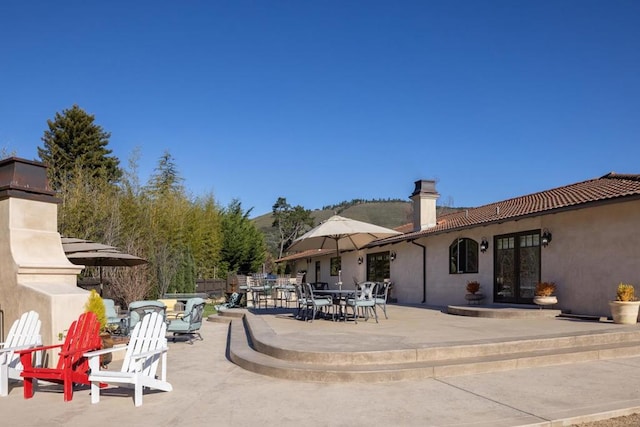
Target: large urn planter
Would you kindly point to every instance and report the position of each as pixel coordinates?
(625, 308)
(543, 301)
(474, 298)
(473, 295)
(624, 312)
(543, 295)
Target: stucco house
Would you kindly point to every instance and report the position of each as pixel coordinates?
(585, 237)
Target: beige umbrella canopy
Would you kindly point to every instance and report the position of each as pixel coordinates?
(342, 234)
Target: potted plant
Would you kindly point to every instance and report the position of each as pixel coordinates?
(544, 294)
(96, 305)
(473, 295)
(624, 309)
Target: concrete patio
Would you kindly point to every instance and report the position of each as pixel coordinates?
(209, 389)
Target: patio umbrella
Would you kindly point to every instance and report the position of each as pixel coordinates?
(98, 255)
(71, 245)
(342, 234)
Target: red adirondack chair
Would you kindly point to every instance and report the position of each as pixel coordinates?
(73, 367)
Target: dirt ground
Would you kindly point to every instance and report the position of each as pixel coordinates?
(628, 421)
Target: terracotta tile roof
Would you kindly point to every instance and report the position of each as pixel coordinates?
(607, 188)
(406, 228)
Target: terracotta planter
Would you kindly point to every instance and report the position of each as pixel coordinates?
(624, 312)
(107, 342)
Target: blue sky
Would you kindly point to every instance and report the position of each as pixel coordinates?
(325, 101)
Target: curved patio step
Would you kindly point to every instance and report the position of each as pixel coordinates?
(310, 367)
(502, 312)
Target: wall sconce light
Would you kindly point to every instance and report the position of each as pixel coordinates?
(360, 260)
(484, 245)
(545, 238)
(392, 256)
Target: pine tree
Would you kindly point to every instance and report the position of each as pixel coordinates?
(74, 141)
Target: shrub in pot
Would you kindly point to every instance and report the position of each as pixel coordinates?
(473, 295)
(544, 294)
(624, 309)
(473, 287)
(96, 305)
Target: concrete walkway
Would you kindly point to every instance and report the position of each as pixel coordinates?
(210, 390)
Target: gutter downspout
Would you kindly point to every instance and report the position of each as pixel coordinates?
(424, 271)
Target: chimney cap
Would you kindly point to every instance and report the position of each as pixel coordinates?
(425, 186)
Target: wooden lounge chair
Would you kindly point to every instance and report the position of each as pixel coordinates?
(24, 333)
(72, 367)
(147, 345)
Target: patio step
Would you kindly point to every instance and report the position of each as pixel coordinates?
(252, 348)
(503, 312)
(226, 316)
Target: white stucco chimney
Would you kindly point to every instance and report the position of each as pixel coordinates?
(424, 204)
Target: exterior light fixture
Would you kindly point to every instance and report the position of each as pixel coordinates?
(545, 238)
(484, 245)
(360, 260)
(392, 256)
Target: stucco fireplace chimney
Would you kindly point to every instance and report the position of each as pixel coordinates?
(424, 204)
(35, 274)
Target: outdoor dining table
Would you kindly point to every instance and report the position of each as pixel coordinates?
(339, 296)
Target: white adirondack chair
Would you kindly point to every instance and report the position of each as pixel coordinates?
(147, 345)
(24, 334)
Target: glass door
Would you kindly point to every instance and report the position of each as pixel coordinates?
(516, 267)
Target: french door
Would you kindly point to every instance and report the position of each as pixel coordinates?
(516, 267)
(317, 279)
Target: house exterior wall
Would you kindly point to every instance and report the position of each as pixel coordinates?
(593, 249)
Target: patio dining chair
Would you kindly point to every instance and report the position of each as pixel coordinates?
(381, 294)
(317, 303)
(260, 290)
(301, 299)
(364, 301)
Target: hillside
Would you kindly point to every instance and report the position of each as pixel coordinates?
(385, 214)
(388, 214)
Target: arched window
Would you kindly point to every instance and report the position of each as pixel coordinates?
(463, 256)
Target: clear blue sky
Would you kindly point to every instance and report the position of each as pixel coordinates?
(325, 101)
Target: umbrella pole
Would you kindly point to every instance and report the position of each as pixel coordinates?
(340, 268)
(100, 269)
